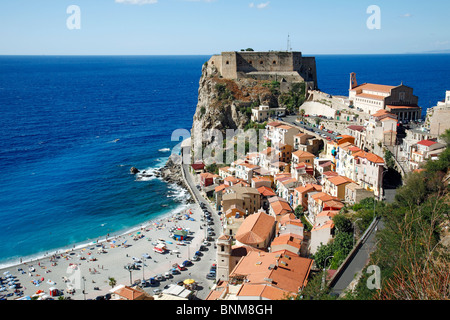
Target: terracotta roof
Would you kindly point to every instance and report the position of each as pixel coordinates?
(330, 174)
(198, 166)
(281, 269)
(303, 154)
(266, 192)
(274, 124)
(381, 112)
(281, 207)
(322, 196)
(285, 127)
(339, 180)
(207, 175)
(357, 128)
(249, 165)
(255, 229)
(286, 239)
(328, 213)
(220, 188)
(231, 179)
(129, 293)
(369, 156)
(374, 87)
(261, 178)
(332, 204)
(262, 290)
(309, 187)
(325, 225)
(426, 143)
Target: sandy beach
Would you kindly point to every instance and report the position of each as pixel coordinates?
(91, 266)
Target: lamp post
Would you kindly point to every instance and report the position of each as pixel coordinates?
(84, 287)
(127, 267)
(324, 271)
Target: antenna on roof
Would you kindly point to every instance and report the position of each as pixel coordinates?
(288, 48)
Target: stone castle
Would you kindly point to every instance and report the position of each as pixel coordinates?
(282, 66)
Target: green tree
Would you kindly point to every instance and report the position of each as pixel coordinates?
(389, 158)
(112, 282)
(321, 255)
(342, 223)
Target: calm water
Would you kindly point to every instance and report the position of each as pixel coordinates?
(64, 180)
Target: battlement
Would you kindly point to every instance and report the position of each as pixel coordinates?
(272, 65)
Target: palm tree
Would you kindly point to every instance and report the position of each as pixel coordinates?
(302, 113)
(112, 282)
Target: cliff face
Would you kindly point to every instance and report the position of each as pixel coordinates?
(226, 104)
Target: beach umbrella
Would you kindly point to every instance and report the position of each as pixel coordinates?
(189, 281)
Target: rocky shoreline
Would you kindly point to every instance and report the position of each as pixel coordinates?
(169, 173)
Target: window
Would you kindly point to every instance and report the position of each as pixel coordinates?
(261, 62)
(274, 62)
(228, 62)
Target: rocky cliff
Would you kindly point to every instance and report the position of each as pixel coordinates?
(226, 104)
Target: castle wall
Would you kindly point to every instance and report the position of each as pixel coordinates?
(268, 61)
(265, 65)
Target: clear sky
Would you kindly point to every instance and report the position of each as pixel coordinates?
(160, 27)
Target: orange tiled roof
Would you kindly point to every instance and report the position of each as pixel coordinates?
(262, 290)
(369, 156)
(266, 192)
(129, 293)
(328, 224)
(309, 187)
(328, 213)
(274, 124)
(335, 204)
(374, 87)
(339, 180)
(220, 188)
(303, 154)
(287, 239)
(261, 268)
(281, 207)
(255, 229)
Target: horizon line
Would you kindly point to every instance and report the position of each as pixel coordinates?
(176, 55)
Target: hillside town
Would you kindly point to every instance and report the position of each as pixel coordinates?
(277, 206)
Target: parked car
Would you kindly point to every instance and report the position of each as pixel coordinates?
(211, 276)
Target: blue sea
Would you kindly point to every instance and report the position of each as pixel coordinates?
(72, 127)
